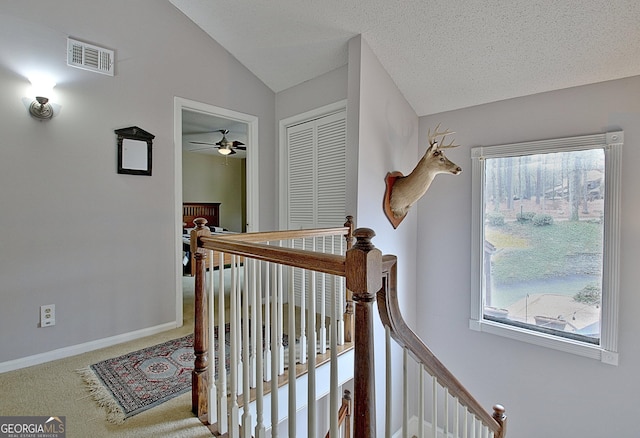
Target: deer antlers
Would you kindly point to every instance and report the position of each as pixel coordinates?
(433, 138)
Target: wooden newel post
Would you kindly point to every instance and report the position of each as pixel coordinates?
(200, 373)
(364, 279)
(500, 416)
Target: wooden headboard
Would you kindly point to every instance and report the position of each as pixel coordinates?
(208, 210)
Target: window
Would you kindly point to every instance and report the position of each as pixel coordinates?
(545, 242)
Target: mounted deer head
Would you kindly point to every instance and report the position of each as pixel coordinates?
(404, 191)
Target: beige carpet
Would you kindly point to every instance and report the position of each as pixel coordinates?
(56, 389)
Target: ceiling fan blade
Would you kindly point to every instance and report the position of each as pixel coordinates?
(242, 148)
(237, 143)
(200, 142)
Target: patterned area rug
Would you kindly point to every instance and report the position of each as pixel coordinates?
(137, 381)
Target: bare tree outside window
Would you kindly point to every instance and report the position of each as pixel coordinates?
(545, 242)
(546, 269)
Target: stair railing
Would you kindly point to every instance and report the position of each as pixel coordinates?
(259, 272)
(453, 411)
(369, 277)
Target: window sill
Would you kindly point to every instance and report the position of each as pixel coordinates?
(544, 340)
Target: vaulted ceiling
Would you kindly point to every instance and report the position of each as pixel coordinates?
(442, 54)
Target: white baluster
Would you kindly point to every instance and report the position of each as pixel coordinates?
(251, 266)
(322, 331)
(341, 295)
(260, 429)
(213, 393)
(421, 405)
(303, 315)
(267, 323)
(466, 422)
(446, 412)
(405, 393)
(473, 426)
(292, 354)
(275, 356)
(234, 326)
(388, 382)
(456, 425)
(280, 320)
(334, 391)
(246, 353)
(237, 272)
(312, 342)
(222, 365)
(434, 408)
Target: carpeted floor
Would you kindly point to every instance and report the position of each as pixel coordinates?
(55, 388)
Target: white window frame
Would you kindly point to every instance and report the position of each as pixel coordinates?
(611, 143)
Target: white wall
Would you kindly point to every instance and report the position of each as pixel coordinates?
(318, 92)
(545, 392)
(74, 233)
(323, 90)
(387, 136)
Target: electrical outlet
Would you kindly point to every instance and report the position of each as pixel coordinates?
(47, 315)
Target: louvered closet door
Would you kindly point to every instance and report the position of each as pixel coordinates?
(317, 172)
(317, 180)
(301, 171)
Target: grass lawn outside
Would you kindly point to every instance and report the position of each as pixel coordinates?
(525, 252)
(552, 270)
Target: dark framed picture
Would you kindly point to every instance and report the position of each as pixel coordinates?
(134, 151)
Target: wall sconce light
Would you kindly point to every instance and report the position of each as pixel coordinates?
(42, 89)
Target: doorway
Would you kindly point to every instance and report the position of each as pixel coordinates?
(201, 123)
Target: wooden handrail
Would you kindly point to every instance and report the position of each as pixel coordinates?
(272, 236)
(391, 317)
(298, 258)
(344, 415)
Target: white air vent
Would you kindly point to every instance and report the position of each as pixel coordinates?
(89, 57)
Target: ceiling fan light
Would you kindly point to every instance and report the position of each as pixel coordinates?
(224, 151)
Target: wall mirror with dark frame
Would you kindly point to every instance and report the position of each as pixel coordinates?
(134, 151)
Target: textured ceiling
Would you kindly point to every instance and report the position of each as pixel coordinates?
(442, 54)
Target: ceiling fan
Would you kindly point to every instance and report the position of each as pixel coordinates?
(225, 147)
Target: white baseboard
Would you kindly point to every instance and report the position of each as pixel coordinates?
(412, 428)
(73, 350)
